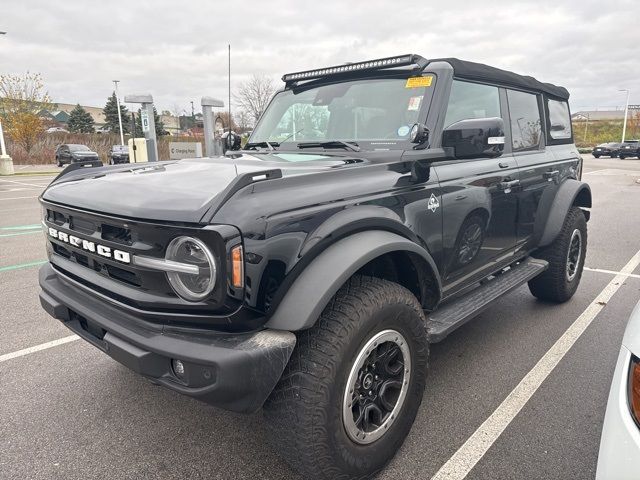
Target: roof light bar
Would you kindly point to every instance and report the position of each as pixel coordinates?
(379, 64)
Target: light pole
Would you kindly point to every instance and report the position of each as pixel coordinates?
(6, 164)
(626, 111)
(586, 127)
(115, 82)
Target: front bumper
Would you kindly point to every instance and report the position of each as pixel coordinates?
(233, 371)
(619, 456)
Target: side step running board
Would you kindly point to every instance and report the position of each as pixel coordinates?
(456, 313)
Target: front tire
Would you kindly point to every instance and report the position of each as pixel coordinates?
(566, 256)
(353, 386)
(596, 156)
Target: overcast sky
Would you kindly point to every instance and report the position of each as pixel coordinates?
(178, 50)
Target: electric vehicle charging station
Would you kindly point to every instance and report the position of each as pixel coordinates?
(148, 128)
(213, 147)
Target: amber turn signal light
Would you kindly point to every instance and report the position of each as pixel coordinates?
(237, 267)
(634, 389)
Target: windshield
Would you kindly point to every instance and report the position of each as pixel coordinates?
(375, 114)
(79, 148)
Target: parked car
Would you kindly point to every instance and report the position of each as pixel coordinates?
(630, 148)
(73, 152)
(619, 456)
(307, 274)
(610, 149)
(56, 130)
(118, 154)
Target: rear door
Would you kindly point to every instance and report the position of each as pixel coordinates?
(479, 204)
(540, 170)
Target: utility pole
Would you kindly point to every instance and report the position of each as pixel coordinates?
(626, 112)
(115, 82)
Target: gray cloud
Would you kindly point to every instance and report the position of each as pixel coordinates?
(178, 51)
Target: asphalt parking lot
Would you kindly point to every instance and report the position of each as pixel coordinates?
(68, 411)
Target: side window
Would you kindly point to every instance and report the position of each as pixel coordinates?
(526, 129)
(559, 120)
(471, 100)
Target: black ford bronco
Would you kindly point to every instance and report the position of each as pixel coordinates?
(377, 207)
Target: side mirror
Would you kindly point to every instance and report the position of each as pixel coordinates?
(475, 138)
(419, 134)
(231, 141)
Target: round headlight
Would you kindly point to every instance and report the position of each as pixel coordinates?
(191, 251)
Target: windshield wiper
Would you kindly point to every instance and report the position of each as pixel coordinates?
(331, 144)
(269, 145)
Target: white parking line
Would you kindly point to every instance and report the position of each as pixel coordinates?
(595, 171)
(37, 348)
(612, 272)
(17, 198)
(470, 453)
(20, 183)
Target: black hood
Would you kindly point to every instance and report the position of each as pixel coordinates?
(177, 191)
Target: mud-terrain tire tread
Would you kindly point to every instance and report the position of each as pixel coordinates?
(296, 412)
(552, 285)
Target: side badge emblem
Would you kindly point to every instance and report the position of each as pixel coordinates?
(434, 204)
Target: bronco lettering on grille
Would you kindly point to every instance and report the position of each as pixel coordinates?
(102, 250)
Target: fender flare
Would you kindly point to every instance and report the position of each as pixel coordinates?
(571, 192)
(305, 300)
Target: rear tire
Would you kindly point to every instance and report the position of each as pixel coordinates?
(319, 419)
(622, 157)
(566, 256)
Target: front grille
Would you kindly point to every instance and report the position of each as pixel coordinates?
(131, 237)
(139, 287)
(116, 234)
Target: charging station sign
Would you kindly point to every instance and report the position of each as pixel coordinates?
(144, 120)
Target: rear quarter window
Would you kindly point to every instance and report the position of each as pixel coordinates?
(559, 120)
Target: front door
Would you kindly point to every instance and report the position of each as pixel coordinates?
(479, 202)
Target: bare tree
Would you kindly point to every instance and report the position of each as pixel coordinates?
(22, 98)
(243, 120)
(254, 95)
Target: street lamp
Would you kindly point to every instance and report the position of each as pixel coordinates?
(115, 82)
(626, 111)
(6, 164)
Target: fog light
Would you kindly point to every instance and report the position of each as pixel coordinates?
(178, 368)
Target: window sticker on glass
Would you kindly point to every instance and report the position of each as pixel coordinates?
(414, 103)
(417, 82)
(403, 131)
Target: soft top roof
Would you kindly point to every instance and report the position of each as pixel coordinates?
(485, 73)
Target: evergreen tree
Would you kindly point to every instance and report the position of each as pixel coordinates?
(80, 121)
(156, 120)
(110, 111)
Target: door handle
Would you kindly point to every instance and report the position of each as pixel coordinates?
(551, 173)
(503, 165)
(508, 185)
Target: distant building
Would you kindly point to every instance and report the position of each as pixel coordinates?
(58, 116)
(171, 124)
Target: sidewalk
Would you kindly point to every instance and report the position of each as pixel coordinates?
(49, 169)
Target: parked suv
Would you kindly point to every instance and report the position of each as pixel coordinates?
(72, 152)
(610, 149)
(630, 148)
(118, 154)
(377, 207)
